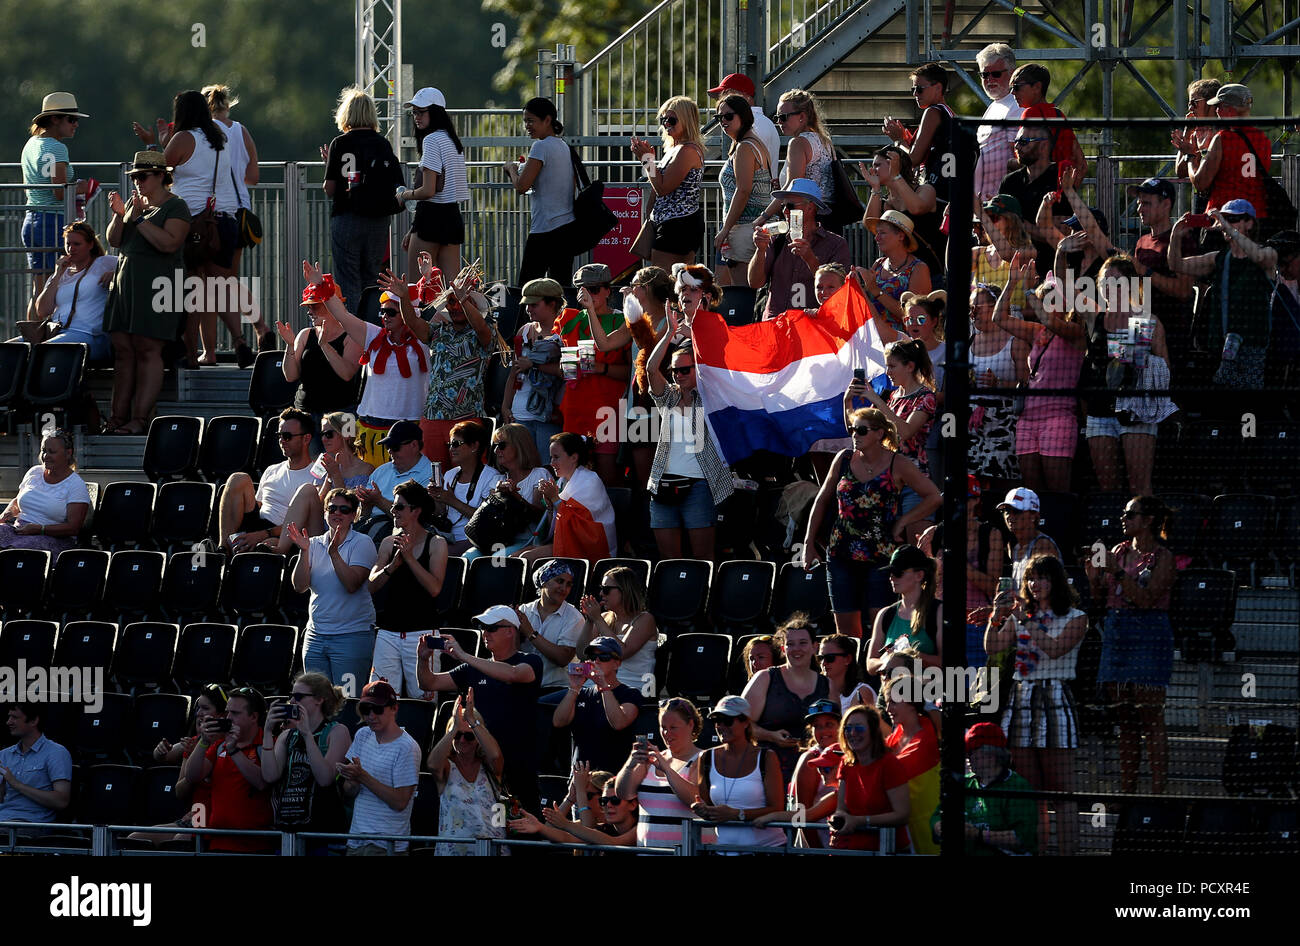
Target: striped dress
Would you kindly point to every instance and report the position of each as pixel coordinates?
(660, 812)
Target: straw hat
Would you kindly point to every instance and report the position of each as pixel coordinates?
(898, 219)
(59, 103)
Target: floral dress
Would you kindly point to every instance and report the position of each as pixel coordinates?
(892, 284)
(863, 530)
(904, 405)
(465, 811)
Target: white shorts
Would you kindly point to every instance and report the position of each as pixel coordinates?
(1111, 427)
(396, 660)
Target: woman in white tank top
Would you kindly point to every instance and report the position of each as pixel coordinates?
(738, 781)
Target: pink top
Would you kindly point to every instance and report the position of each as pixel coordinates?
(1133, 565)
(1053, 363)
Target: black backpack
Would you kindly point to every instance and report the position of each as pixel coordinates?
(375, 192)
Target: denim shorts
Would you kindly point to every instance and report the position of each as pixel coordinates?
(857, 586)
(908, 499)
(695, 511)
(42, 228)
(1111, 427)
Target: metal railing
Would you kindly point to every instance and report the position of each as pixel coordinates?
(791, 26)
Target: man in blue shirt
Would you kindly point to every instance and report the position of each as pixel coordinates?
(35, 773)
(405, 444)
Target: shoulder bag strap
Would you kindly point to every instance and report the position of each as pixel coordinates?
(76, 288)
(216, 165)
(1223, 290)
(579, 169)
(235, 185)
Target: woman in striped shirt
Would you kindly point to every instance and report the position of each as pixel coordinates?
(664, 782)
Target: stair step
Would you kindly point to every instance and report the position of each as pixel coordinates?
(1267, 637)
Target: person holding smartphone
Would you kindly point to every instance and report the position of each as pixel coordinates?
(230, 751)
(601, 710)
(663, 781)
(302, 761)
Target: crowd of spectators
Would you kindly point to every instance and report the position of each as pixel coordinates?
(392, 469)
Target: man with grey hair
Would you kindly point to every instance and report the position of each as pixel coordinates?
(996, 62)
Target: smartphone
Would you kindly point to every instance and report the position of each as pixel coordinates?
(433, 641)
(1006, 585)
(223, 725)
(796, 225)
(1200, 221)
(860, 374)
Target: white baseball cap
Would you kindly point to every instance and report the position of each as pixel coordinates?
(428, 96)
(1022, 499)
(498, 614)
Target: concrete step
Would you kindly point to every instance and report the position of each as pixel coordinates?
(1267, 637)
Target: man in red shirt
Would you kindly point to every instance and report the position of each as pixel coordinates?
(1029, 85)
(240, 797)
(1228, 170)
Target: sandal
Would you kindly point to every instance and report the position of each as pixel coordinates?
(136, 427)
(111, 425)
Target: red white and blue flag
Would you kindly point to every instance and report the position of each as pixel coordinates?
(779, 385)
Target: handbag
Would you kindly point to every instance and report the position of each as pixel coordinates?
(846, 208)
(644, 243)
(592, 219)
(36, 331)
(204, 240)
(246, 222)
(1280, 213)
(499, 521)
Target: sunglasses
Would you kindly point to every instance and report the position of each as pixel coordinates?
(827, 658)
(854, 730)
(592, 796)
(921, 88)
(603, 658)
(329, 433)
(467, 736)
(668, 121)
(609, 801)
(453, 444)
(283, 436)
(499, 627)
(141, 175)
(396, 507)
(726, 722)
(499, 446)
(914, 320)
(862, 431)
(782, 116)
(299, 696)
(390, 313)
(397, 445)
(1024, 141)
(606, 589)
(345, 510)
(726, 116)
(682, 371)
(365, 709)
(993, 73)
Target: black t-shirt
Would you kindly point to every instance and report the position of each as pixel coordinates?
(509, 709)
(1030, 193)
(594, 739)
(377, 173)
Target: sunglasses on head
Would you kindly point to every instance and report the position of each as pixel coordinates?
(682, 370)
(345, 510)
(365, 709)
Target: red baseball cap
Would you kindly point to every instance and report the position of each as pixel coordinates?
(736, 82)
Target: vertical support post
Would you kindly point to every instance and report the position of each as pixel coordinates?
(290, 273)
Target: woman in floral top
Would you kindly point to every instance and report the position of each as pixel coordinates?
(911, 408)
(865, 485)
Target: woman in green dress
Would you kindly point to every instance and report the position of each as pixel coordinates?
(142, 314)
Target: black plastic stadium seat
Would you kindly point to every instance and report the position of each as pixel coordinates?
(268, 392)
(268, 446)
(102, 736)
(22, 580)
(424, 813)
(579, 568)
(156, 716)
(1101, 518)
(171, 450)
(54, 374)
(204, 655)
(77, 582)
(133, 583)
(494, 386)
(252, 584)
(1149, 828)
(416, 717)
(452, 582)
(145, 653)
(489, 582)
(86, 644)
(27, 640)
(679, 591)
(599, 569)
(192, 584)
(229, 446)
(697, 666)
(156, 796)
(470, 640)
(108, 792)
(181, 513)
(1058, 516)
(264, 656)
(122, 516)
(14, 357)
(1202, 607)
(742, 591)
(799, 590)
(1241, 524)
(1222, 827)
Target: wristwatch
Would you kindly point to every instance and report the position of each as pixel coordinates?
(741, 816)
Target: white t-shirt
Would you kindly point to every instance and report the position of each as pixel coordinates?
(765, 128)
(440, 155)
(388, 394)
(396, 764)
(528, 485)
(563, 628)
(486, 480)
(332, 608)
(89, 317)
(46, 504)
(586, 487)
(276, 488)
